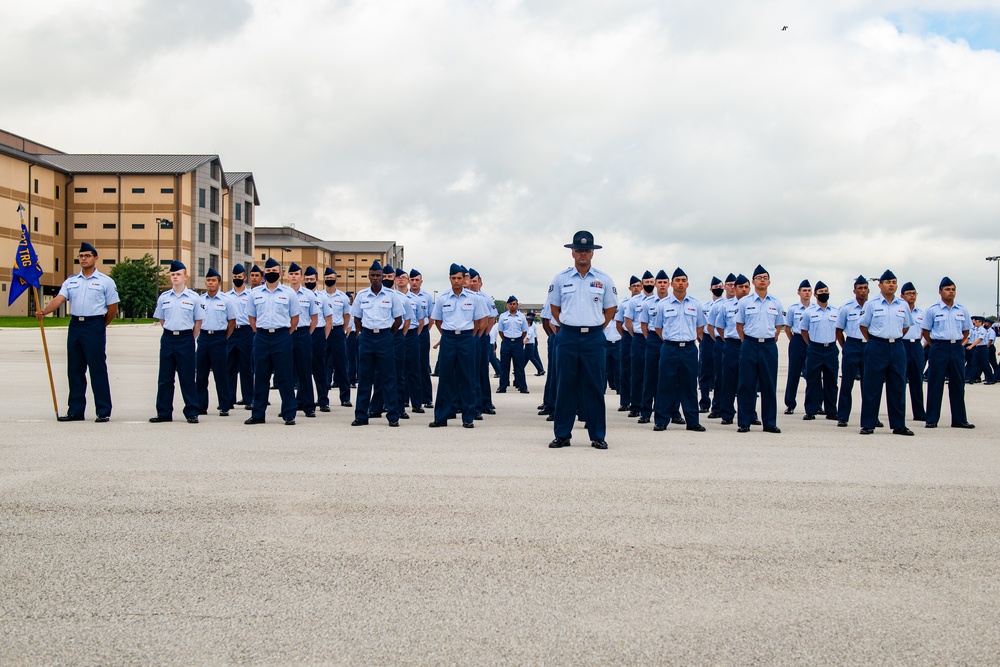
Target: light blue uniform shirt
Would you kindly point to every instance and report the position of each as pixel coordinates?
(424, 304)
(240, 301)
(886, 319)
(178, 311)
(915, 332)
(678, 321)
(274, 309)
(821, 323)
(760, 317)
(725, 317)
(458, 312)
(635, 307)
(340, 305)
(946, 323)
(793, 318)
(412, 310)
(491, 304)
(977, 334)
(512, 326)
(533, 332)
(649, 309)
(309, 305)
(216, 311)
(706, 308)
(378, 311)
(621, 310)
(582, 299)
(89, 297)
(848, 319)
(716, 310)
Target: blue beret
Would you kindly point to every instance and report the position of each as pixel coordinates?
(311, 271)
(908, 287)
(255, 269)
(473, 273)
(759, 270)
(821, 285)
(239, 268)
(271, 263)
(633, 280)
(887, 275)
(294, 267)
(86, 247)
(414, 273)
(860, 280)
(176, 266)
(946, 282)
(329, 271)
(212, 273)
(730, 278)
(376, 266)
(647, 275)
(662, 275)
(804, 283)
(715, 281)
(511, 299)
(679, 272)
(742, 280)
(455, 268)
(400, 272)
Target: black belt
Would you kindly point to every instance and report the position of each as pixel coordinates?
(456, 331)
(912, 340)
(884, 340)
(679, 343)
(377, 331)
(575, 329)
(275, 330)
(87, 318)
(812, 342)
(242, 326)
(213, 331)
(950, 342)
(754, 339)
(510, 338)
(177, 333)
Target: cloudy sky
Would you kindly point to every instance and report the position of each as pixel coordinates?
(689, 133)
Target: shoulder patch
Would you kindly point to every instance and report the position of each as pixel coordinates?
(550, 287)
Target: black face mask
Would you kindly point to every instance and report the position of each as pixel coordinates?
(272, 278)
(717, 291)
(387, 284)
(238, 282)
(648, 289)
(310, 284)
(329, 283)
(822, 298)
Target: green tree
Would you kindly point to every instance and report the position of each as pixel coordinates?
(139, 283)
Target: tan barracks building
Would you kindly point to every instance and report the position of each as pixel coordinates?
(184, 207)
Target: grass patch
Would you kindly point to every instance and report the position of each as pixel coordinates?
(31, 322)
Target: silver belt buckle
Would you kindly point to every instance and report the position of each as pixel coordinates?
(375, 330)
(176, 333)
(271, 330)
(761, 340)
(457, 331)
(584, 329)
(681, 344)
(891, 340)
(81, 319)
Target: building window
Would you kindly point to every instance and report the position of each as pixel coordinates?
(249, 216)
(110, 191)
(216, 171)
(57, 228)
(239, 210)
(80, 225)
(201, 232)
(201, 267)
(36, 225)
(201, 197)
(214, 200)
(236, 244)
(109, 261)
(138, 225)
(109, 225)
(263, 256)
(166, 191)
(213, 261)
(247, 243)
(36, 186)
(57, 192)
(213, 233)
(165, 261)
(138, 191)
(57, 263)
(81, 191)
(248, 187)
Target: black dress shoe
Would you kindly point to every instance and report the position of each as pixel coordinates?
(438, 423)
(902, 431)
(203, 412)
(867, 431)
(311, 414)
(291, 422)
(677, 420)
(702, 411)
(726, 422)
(247, 407)
(808, 418)
(598, 444)
(394, 423)
(539, 374)
(879, 424)
(429, 405)
(713, 414)
(696, 427)
(523, 391)
(660, 427)
(643, 420)
(468, 425)
(159, 419)
(192, 420)
(542, 413)
(963, 425)
(743, 429)
(223, 413)
(633, 413)
(404, 415)
(832, 418)
(841, 423)
(241, 403)
(622, 408)
(501, 391)
(102, 419)
(930, 425)
(324, 408)
(419, 410)
(755, 422)
(496, 375)
(354, 385)
(359, 422)
(789, 411)
(254, 420)
(772, 429)
(550, 418)
(70, 418)
(488, 411)
(346, 404)
(451, 415)
(559, 442)
(478, 417)
(374, 415)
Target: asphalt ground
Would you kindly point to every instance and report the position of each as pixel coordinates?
(219, 543)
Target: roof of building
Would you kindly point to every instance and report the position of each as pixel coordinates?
(28, 157)
(235, 177)
(289, 237)
(126, 164)
(281, 240)
(357, 246)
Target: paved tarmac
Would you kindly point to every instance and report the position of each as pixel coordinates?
(219, 543)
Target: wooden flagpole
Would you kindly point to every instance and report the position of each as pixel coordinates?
(45, 348)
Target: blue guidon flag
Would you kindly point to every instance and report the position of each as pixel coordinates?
(26, 273)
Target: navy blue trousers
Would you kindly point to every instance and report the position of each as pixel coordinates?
(650, 375)
(352, 357)
(411, 390)
(485, 394)
(914, 376)
(717, 353)
(677, 382)
(796, 362)
(512, 352)
(426, 388)
(551, 352)
(706, 371)
(86, 345)
(302, 346)
(852, 361)
(885, 364)
(531, 356)
(320, 376)
(272, 353)
(239, 352)
(211, 358)
(376, 352)
(638, 370)
(624, 371)
(455, 376)
(176, 358)
(758, 369)
(946, 360)
(494, 361)
(979, 363)
(730, 378)
(336, 363)
(822, 363)
(580, 382)
(613, 362)
(399, 359)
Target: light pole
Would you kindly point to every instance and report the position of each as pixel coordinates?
(996, 258)
(161, 223)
